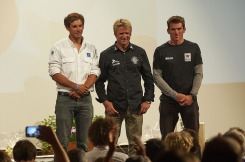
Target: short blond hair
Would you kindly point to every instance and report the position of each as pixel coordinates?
(180, 141)
(122, 23)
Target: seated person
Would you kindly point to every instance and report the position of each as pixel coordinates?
(154, 147)
(98, 134)
(221, 149)
(77, 155)
(4, 157)
(181, 142)
(25, 151)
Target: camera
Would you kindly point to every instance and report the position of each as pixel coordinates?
(32, 131)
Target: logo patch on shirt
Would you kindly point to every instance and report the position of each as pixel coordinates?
(88, 55)
(114, 62)
(187, 57)
(169, 58)
(134, 60)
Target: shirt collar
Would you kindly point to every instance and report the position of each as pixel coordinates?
(72, 45)
(130, 47)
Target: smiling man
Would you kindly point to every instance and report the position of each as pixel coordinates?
(177, 71)
(122, 66)
(73, 65)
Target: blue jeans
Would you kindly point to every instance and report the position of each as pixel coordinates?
(66, 110)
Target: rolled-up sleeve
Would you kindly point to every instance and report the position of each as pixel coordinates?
(95, 65)
(54, 62)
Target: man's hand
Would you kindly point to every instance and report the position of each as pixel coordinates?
(180, 97)
(82, 89)
(74, 94)
(144, 107)
(109, 109)
(47, 134)
(188, 101)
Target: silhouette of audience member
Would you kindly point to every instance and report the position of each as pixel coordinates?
(181, 142)
(140, 150)
(154, 147)
(220, 149)
(47, 134)
(238, 129)
(24, 150)
(4, 157)
(77, 155)
(190, 157)
(196, 148)
(137, 158)
(170, 156)
(99, 133)
(239, 138)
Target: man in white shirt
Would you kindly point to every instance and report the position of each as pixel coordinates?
(73, 65)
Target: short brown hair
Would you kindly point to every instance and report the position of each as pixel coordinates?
(175, 20)
(122, 22)
(99, 130)
(24, 150)
(73, 17)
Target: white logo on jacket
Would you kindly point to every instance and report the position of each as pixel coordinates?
(169, 58)
(134, 60)
(114, 62)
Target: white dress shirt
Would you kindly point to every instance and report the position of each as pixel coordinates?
(76, 65)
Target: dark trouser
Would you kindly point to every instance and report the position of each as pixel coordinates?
(169, 117)
(66, 110)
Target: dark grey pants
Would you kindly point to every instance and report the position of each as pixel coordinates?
(66, 110)
(169, 117)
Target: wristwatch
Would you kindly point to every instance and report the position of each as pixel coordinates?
(149, 102)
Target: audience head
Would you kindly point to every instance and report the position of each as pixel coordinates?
(24, 150)
(238, 129)
(178, 141)
(4, 157)
(99, 131)
(190, 157)
(154, 147)
(76, 155)
(220, 149)
(238, 137)
(136, 158)
(170, 156)
(196, 146)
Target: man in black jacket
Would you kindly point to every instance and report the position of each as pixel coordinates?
(122, 66)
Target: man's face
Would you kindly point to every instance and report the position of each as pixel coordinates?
(123, 36)
(176, 32)
(76, 29)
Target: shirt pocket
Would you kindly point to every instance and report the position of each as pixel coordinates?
(68, 64)
(88, 62)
